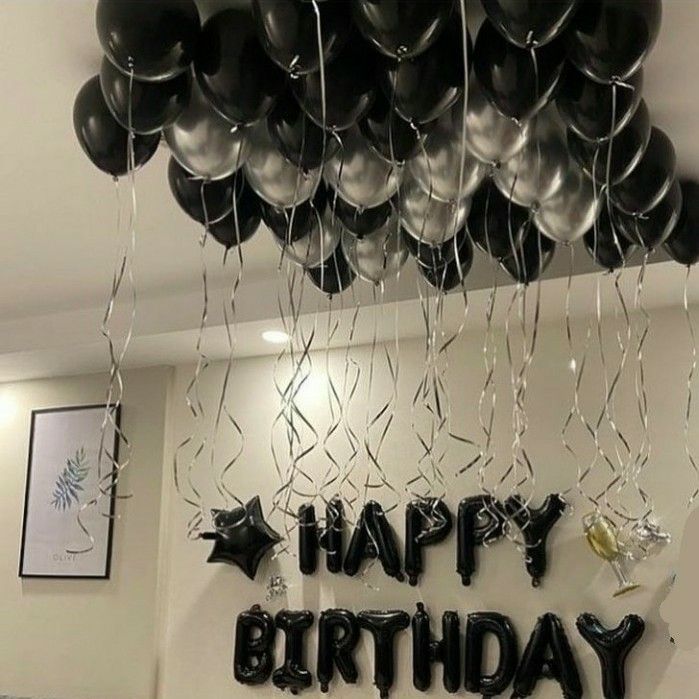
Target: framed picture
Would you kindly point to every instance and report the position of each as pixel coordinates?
(63, 474)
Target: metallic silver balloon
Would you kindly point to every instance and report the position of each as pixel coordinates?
(437, 165)
(427, 218)
(360, 176)
(316, 246)
(274, 178)
(203, 142)
(572, 211)
(536, 173)
(490, 136)
(379, 255)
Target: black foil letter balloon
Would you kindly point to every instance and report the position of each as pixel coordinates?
(155, 39)
(479, 521)
(338, 634)
(427, 522)
(548, 655)
(536, 525)
(308, 539)
(612, 647)
(427, 651)
(332, 536)
(373, 537)
(293, 674)
(683, 243)
(383, 626)
(254, 646)
(478, 626)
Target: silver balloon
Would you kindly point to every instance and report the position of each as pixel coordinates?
(436, 167)
(490, 136)
(573, 210)
(359, 175)
(427, 218)
(274, 178)
(203, 142)
(379, 255)
(315, 247)
(536, 173)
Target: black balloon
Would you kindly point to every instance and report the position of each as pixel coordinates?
(453, 273)
(402, 28)
(627, 149)
(434, 256)
(479, 625)
(337, 649)
(233, 71)
(373, 537)
(243, 221)
(293, 674)
(153, 106)
(650, 180)
(204, 201)
(479, 521)
(427, 651)
(334, 275)
(103, 139)
(289, 34)
(497, 226)
(300, 140)
(332, 536)
(290, 225)
(531, 259)
(654, 227)
(361, 222)
(253, 657)
(607, 247)
(609, 39)
(548, 655)
(156, 39)
(536, 525)
(593, 110)
(512, 81)
(612, 647)
(242, 537)
(349, 88)
(683, 243)
(308, 539)
(422, 88)
(383, 626)
(427, 522)
(391, 136)
(532, 23)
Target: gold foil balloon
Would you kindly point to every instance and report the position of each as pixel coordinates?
(376, 256)
(603, 538)
(274, 178)
(572, 211)
(203, 142)
(437, 165)
(427, 218)
(360, 176)
(490, 136)
(536, 173)
(317, 245)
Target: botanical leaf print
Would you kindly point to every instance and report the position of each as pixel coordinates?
(68, 486)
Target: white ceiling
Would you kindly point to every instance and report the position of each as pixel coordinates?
(58, 214)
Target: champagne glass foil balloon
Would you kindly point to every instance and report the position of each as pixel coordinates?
(360, 176)
(437, 166)
(203, 142)
(572, 211)
(316, 247)
(377, 256)
(490, 136)
(274, 178)
(427, 218)
(536, 173)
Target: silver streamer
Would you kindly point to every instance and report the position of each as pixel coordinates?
(690, 389)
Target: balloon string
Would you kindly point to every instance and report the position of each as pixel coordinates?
(690, 387)
(323, 97)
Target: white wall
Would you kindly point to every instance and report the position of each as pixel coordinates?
(203, 600)
(78, 639)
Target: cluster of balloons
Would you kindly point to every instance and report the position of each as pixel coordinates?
(365, 132)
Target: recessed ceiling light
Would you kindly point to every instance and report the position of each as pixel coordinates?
(275, 337)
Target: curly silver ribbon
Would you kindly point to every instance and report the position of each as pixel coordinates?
(690, 388)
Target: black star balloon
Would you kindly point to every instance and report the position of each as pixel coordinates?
(242, 537)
